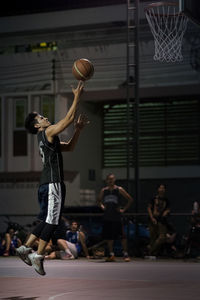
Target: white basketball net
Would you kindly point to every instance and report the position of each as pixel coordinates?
(168, 27)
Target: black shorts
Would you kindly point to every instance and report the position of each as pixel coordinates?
(112, 230)
(51, 197)
(60, 232)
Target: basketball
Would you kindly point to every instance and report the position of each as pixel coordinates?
(82, 69)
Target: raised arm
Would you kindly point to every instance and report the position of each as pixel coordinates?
(53, 130)
(79, 125)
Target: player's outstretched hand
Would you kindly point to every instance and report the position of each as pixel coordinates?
(81, 121)
(79, 89)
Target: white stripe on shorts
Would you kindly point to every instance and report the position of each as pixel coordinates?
(54, 203)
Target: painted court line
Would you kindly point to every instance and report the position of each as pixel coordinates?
(59, 295)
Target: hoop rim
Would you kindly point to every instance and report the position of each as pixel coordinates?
(158, 4)
(161, 3)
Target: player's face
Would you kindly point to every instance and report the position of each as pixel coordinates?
(42, 121)
(161, 189)
(11, 232)
(74, 226)
(111, 180)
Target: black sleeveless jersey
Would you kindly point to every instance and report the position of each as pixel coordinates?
(111, 201)
(52, 159)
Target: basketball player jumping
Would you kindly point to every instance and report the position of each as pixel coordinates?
(51, 193)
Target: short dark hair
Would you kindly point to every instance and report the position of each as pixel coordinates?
(30, 121)
(13, 226)
(110, 174)
(73, 221)
(159, 185)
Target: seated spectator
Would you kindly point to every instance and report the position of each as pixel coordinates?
(192, 248)
(196, 209)
(73, 244)
(2, 244)
(11, 241)
(169, 248)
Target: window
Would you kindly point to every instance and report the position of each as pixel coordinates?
(40, 47)
(19, 133)
(169, 133)
(48, 107)
(115, 150)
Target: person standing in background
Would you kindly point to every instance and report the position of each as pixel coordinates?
(158, 210)
(109, 201)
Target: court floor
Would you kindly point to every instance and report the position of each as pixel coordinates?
(95, 279)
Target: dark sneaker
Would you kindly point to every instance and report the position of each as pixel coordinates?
(23, 253)
(110, 258)
(126, 258)
(37, 262)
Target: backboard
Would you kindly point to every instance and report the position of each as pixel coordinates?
(191, 8)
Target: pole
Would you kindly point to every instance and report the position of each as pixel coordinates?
(128, 99)
(137, 103)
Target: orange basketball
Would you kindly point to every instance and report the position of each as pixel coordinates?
(82, 69)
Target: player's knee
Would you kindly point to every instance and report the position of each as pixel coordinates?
(38, 229)
(47, 231)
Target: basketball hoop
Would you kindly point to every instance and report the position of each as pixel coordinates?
(168, 26)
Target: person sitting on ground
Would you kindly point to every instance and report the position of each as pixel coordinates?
(2, 243)
(72, 246)
(11, 240)
(192, 247)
